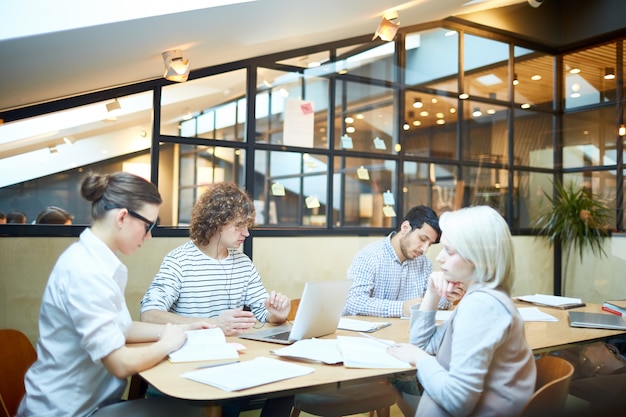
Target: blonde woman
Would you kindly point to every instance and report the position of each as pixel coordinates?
(477, 363)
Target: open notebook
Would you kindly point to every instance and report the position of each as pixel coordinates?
(318, 314)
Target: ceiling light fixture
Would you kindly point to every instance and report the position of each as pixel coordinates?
(176, 67)
(477, 112)
(417, 104)
(515, 80)
(609, 73)
(388, 27)
(622, 130)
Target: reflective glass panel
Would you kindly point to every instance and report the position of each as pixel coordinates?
(529, 200)
(205, 107)
(291, 189)
(199, 167)
(483, 186)
(376, 62)
(589, 138)
(364, 193)
(59, 147)
(433, 185)
(423, 49)
(532, 79)
(532, 141)
(291, 109)
(430, 127)
(487, 132)
(486, 68)
(590, 76)
(365, 120)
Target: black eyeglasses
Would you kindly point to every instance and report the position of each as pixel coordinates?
(149, 224)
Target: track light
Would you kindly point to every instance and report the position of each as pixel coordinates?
(176, 67)
(388, 27)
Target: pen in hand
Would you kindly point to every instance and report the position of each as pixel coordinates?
(213, 365)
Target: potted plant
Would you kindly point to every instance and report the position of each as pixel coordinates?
(575, 219)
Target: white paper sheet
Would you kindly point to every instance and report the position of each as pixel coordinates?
(248, 374)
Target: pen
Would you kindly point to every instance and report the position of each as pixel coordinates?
(213, 365)
(384, 342)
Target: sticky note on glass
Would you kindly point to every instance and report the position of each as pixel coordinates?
(278, 190)
(388, 211)
(312, 202)
(362, 173)
(379, 143)
(346, 142)
(388, 198)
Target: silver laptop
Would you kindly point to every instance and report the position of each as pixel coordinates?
(596, 320)
(318, 314)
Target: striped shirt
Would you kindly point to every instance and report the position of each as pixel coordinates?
(192, 284)
(381, 283)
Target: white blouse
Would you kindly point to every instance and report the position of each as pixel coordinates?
(83, 318)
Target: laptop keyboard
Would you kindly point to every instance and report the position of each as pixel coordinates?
(279, 336)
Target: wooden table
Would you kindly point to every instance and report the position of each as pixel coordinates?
(542, 337)
(548, 336)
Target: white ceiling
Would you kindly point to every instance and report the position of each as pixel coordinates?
(39, 61)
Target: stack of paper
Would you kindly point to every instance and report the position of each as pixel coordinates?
(204, 345)
(534, 314)
(248, 374)
(368, 352)
(361, 325)
(552, 301)
(317, 350)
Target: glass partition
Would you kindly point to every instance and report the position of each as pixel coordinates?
(533, 141)
(291, 189)
(532, 79)
(589, 138)
(590, 76)
(530, 202)
(291, 109)
(211, 107)
(486, 68)
(58, 147)
(364, 118)
(487, 132)
(364, 193)
(430, 127)
(433, 185)
(423, 49)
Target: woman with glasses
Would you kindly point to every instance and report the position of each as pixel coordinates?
(82, 361)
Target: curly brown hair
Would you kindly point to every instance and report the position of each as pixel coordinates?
(221, 204)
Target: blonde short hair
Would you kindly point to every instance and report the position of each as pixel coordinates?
(481, 236)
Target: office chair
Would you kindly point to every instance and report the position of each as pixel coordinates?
(345, 400)
(17, 354)
(554, 376)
